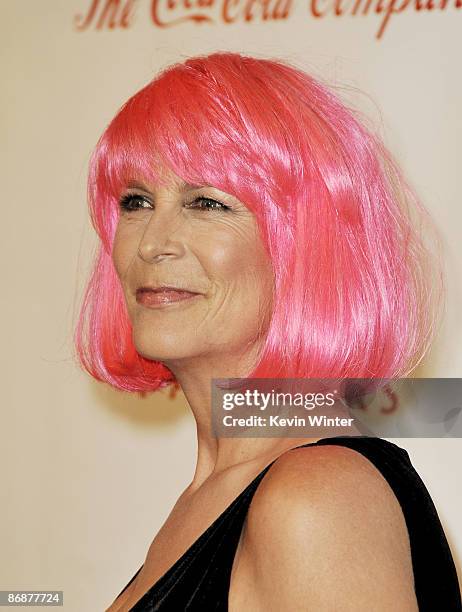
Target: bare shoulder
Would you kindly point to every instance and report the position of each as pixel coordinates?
(325, 527)
(328, 474)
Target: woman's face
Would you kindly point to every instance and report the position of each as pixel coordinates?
(202, 240)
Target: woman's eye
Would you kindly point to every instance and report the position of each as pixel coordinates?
(133, 202)
(208, 204)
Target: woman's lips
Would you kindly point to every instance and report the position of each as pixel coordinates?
(160, 298)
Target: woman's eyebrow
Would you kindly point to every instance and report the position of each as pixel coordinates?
(134, 184)
(191, 186)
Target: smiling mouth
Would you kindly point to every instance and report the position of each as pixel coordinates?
(165, 297)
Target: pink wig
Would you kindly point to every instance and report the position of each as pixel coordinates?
(355, 290)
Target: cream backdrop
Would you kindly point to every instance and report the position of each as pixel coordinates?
(88, 473)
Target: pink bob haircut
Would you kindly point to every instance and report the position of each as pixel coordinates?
(356, 290)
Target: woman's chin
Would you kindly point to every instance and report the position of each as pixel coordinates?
(169, 352)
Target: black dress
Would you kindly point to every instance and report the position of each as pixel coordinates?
(199, 580)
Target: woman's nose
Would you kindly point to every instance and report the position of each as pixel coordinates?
(162, 236)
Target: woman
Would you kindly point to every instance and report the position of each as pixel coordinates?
(251, 226)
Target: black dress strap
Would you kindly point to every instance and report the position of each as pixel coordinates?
(435, 575)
